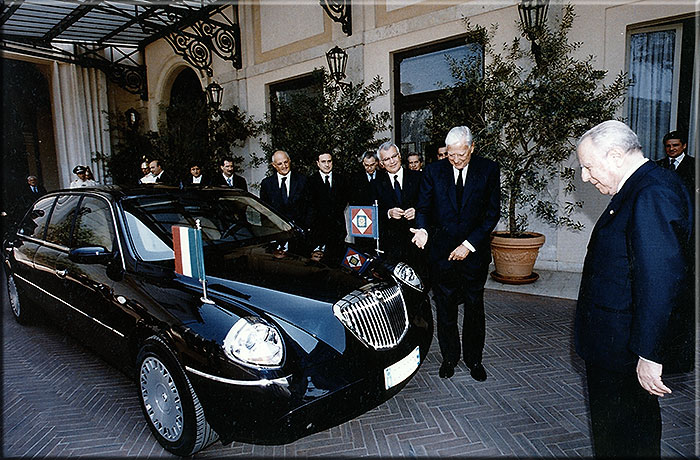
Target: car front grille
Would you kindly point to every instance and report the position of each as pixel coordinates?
(376, 315)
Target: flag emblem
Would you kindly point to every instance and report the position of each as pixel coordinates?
(189, 255)
(363, 221)
(355, 260)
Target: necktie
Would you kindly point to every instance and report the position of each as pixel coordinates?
(671, 164)
(460, 189)
(328, 182)
(34, 188)
(397, 188)
(230, 181)
(283, 190)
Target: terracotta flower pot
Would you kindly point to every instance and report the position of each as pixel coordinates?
(514, 257)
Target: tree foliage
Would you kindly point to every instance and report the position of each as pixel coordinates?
(335, 120)
(190, 132)
(527, 114)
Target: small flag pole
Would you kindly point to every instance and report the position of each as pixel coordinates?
(200, 263)
(376, 224)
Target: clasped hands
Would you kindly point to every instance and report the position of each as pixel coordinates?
(398, 213)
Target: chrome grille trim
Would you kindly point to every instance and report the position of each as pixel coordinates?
(375, 314)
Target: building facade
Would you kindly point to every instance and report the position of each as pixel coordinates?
(402, 42)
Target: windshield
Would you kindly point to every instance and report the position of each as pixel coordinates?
(227, 219)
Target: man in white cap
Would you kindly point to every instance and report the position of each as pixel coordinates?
(82, 180)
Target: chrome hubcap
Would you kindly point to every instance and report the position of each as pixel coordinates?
(13, 295)
(161, 399)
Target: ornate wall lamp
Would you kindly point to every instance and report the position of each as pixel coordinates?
(214, 93)
(132, 118)
(533, 14)
(337, 61)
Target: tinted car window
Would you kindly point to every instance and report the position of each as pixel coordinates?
(61, 220)
(34, 222)
(93, 224)
(224, 219)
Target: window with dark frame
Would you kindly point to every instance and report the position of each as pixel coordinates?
(282, 91)
(420, 76)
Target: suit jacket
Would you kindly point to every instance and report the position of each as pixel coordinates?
(327, 211)
(361, 190)
(394, 234)
(27, 197)
(187, 181)
(238, 181)
(686, 170)
(636, 294)
(450, 223)
(166, 179)
(297, 207)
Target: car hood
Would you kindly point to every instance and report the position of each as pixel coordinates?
(285, 272)
(294, 291)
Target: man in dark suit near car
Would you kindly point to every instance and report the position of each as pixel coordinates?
(396, 189)
(286, 190)
(227, 177)
(458, 207)
(634, 316)
(328, 192)
(677, 158)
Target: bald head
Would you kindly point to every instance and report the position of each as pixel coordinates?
(281, 162)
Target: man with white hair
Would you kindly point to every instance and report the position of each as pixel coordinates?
(634, 316)
(458, 207)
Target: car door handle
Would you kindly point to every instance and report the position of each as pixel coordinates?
(62, 273)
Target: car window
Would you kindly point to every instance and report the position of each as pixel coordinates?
(147, 244)
(93, 224)
(34, 222)
(223, 219)
(61, 220)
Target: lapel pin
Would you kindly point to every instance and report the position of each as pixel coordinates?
(612, 211)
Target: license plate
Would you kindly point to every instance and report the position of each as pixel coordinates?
(400, 371)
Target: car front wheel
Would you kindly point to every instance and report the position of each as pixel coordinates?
(18, 305)
(169, 403)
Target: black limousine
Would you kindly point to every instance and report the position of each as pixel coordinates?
(279, 346)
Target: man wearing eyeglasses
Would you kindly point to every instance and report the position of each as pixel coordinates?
(396, 189)
(458, 207)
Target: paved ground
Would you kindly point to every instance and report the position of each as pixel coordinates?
(61, 400)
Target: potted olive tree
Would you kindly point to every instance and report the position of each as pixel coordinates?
(527, 110)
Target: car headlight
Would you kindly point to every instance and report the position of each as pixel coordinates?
(254, 341)
(408, 275)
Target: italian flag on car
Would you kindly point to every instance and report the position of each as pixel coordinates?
(189, 255)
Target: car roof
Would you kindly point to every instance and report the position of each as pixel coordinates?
(120, 192)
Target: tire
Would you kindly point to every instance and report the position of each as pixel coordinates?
(169, 403)
(18, 303)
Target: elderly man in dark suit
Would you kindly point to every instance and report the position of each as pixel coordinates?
(287, 190)
(677, 158)
(396, 189)
(458, 207)
(634, 316)
(227, 177)
(328, 192)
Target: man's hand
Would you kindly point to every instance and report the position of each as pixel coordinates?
(459, 253)
(396, 213)
(409, 214)
(649, 376)
(420, 237)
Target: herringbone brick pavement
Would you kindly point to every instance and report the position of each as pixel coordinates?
(61, 400)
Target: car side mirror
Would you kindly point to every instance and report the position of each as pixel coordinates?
(89, 255)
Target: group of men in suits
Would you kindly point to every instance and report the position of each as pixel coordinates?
(448, 210)
(225, 177)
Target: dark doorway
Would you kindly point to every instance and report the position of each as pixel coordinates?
(28, 146)
(187, 119)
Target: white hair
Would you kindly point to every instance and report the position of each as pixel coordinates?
(459, 135)
(386, 146)
(610, 134)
